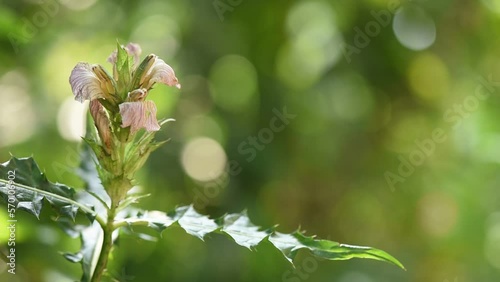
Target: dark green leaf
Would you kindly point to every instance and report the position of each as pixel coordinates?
(31, 187)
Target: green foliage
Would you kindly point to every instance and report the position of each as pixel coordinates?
(32, 187)
(246, 234)
(358, 116)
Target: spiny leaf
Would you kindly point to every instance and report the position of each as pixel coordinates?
(91, 237)
(291, 243)
(239, 227)
(31, 187)
(194, 223)
(244, 232)
(131, 199)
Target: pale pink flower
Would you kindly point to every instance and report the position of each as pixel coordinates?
(158, 71)
(90, 82)
(139, 115)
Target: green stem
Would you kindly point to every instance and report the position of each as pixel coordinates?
(117, 189)
(107, 244)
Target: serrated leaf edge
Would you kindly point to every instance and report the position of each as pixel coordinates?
(298, 239)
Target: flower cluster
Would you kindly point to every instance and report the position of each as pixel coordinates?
(92, 82)
(119, 108)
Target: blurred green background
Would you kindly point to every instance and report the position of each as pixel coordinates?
(368, 87)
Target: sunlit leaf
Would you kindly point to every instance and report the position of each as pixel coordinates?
(91, 238)
(244, 232)
(239, 227)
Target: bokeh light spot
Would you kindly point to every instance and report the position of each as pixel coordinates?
(312, 47)
(414, 28)
(429, 78)
(17, 116)
(78, 5)
(493, 5)
(203, 159)
(437, 214)
(233, 83)
(492, 244)
(71, 119)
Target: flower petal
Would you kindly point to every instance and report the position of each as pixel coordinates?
(112, 57)
(158, 71)
(85, 83)
(151, 121)
(134, 49)
(139, 115)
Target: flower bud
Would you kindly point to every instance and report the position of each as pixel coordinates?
(102, 124)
